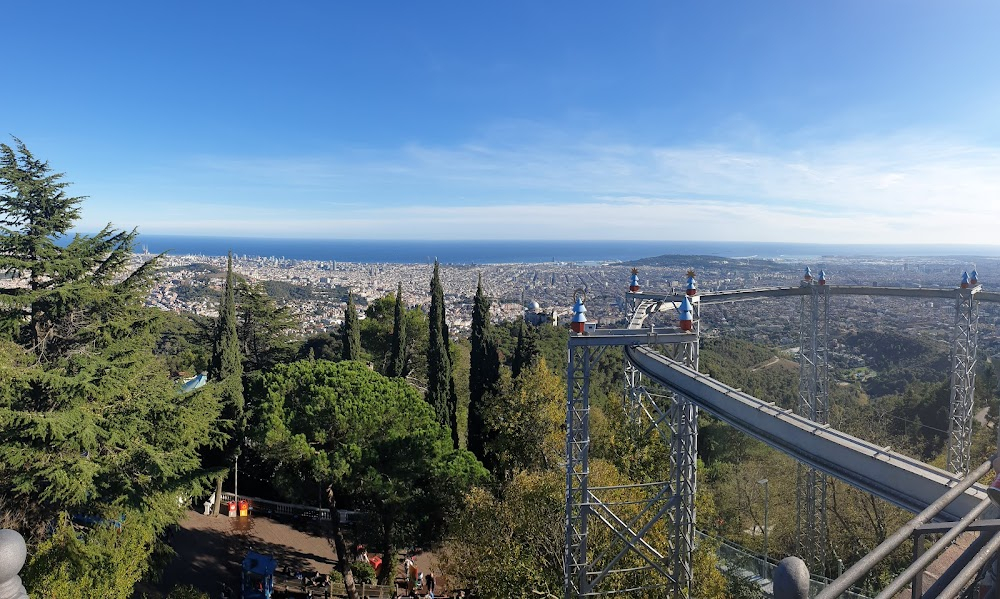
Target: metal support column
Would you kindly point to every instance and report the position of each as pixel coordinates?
(814, 331)
(683, 466)
(631, 538)
(963, 379)
(577, 471)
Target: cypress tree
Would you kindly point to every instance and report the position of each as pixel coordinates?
(227, 368)
(351, 332)
(397, 360)
(440, 384)
(517, 363)
(484, 370)
(526, 351)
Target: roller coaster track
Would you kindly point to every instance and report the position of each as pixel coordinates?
(896, 478)
(903, 481)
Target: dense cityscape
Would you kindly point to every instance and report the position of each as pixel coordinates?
(191, 284)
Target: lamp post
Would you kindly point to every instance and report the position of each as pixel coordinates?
(767, 565)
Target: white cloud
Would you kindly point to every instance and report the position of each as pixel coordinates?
(903, 189)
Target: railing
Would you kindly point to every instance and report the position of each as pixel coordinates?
(13, 552)
(291, 509)
(742, 561)
(364, 590)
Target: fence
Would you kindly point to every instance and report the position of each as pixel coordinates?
(278, 508)
(742, 561)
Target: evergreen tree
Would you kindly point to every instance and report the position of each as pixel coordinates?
(527, 352)
(227, 369)
(397, 359)
(484, 370)
(89, 421)
(440, 385)
(264, 328)
(372, 443)
(226, 358)
(351, 332)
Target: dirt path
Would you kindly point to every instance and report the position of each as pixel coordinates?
(769, 363)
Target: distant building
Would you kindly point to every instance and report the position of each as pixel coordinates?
(535, 315)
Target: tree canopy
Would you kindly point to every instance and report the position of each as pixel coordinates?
(372, 439)
(89, 422)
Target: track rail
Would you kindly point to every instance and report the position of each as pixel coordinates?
(663, 301)
(901, 480)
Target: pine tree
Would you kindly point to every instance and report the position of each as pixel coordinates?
(265, 330)
(397, 360)
(227, 368)
(484, 370)
(440, 385)
(89, 421)
(351, 331)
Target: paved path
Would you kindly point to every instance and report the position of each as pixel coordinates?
(210, 549)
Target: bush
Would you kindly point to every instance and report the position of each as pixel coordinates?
(186, 591)
(364, 573)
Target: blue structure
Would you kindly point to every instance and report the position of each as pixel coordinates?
(692, 285)
(196, 383)
(257, 579)
(579, 315)
(685, 315)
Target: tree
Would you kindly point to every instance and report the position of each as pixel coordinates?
(523, 421)
(378, 335)
(264, 329)
(325, 346)
(351, 332)
(511, 546)
(372, 442)
(484, 370)
(527, 349)
(441, 393)
(397, 359)
(90, 424)
(227, 369)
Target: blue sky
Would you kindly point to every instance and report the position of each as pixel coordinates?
(847, 121)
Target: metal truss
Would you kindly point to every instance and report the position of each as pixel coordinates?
(634, 539)
(963, 379)
(814, 373)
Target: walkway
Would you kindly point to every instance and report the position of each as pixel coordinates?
(209, 550)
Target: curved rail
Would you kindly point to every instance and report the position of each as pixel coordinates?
(651, 302)
(901, 480)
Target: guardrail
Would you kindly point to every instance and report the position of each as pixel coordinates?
(279, 508)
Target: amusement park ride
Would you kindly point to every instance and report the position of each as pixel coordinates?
(663, 393)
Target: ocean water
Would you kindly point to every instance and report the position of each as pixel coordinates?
(495, 252)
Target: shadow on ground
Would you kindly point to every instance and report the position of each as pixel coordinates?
(210, 550)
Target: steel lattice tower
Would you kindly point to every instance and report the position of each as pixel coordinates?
(963, 379)
(630, 564)
(814, 331)
(577, 470)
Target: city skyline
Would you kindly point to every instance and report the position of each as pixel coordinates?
(844, 123)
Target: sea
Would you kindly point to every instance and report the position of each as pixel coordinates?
(524, 252)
